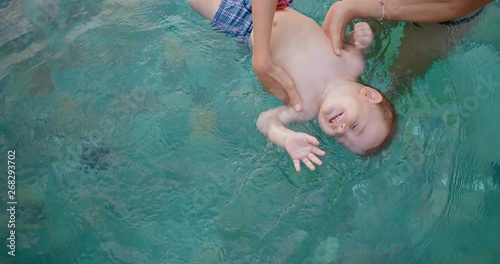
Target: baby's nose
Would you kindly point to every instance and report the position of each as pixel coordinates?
(340, 129)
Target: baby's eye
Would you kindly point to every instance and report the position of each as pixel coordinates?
(353, 127)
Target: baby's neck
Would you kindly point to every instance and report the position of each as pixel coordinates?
(339, 86)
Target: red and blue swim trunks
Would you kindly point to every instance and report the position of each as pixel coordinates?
(282, 4)
(234, 18)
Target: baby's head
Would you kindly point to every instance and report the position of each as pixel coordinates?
(358, 116)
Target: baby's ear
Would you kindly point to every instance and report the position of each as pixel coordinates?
(371, 94)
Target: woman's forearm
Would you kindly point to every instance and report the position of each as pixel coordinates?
(262, 16)
(413, 10)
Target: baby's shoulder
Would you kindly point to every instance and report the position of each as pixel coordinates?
(354, 61)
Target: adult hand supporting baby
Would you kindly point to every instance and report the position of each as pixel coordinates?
(277, 82)
(341, 13)
(273, 78)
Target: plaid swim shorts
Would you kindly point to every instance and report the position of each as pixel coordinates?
(234, 18)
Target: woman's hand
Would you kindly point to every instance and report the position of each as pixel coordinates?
(335, 24)
(341, 13)
(277, 82)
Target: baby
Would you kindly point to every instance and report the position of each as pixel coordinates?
(358, 116)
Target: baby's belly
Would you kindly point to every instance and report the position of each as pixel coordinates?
(293, 28)
(295, 31)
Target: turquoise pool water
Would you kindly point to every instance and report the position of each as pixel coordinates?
(133, 127)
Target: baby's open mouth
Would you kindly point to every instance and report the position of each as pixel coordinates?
(336, 117)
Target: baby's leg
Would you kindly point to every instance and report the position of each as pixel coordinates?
(206, 8)
(231, 17)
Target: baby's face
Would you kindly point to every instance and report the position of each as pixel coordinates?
(353, 118)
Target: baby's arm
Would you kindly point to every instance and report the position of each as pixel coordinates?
(362, 36)
(300, 146)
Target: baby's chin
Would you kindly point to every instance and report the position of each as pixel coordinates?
(353, 150)
(358, 152)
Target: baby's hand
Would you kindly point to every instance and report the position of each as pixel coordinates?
(303, 147)
(363, 35)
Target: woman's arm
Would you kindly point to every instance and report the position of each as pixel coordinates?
(342, 12)
(272, 77)
(262, 16)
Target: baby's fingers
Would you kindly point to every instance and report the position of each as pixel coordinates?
(364, 39)
(308, 163)
(314, 159)
(361, 26)
(312, 140)
(318, 151)
(359, 46)
(296, 164)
